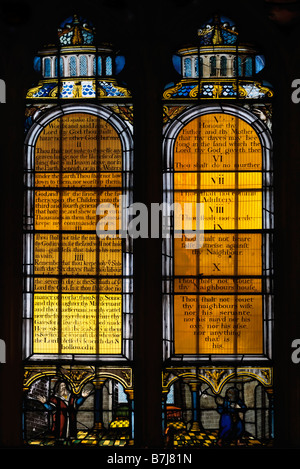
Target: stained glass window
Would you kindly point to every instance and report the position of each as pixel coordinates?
(217, 270)
(78, 275)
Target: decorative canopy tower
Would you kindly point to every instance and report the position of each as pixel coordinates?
(219, 66)
(76, 67)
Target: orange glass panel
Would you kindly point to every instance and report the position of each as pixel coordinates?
(79, 321)
(88, 143)
(218, 301)
(223, 324)
(77, 300)
(217, 142)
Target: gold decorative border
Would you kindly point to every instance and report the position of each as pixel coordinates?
(217, 377)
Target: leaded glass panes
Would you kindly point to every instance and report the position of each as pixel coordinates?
(83, 65)
(73, 66)
(77, 277)
(223, 69)
(47, 67)
(218, 293)
(108, 65)
(78, 274)
(213, 66)
(248, 66)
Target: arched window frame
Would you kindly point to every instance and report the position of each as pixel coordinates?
(170, 132)
(125, 132)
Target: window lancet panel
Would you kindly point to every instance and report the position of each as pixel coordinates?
(78, 278)
(217, 270)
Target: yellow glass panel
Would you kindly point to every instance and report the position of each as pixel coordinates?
(77, 302)
(53, 180)
(110, 324)
(88, 143)
(210, 181)
(79, 331)
(79, 324)
(217, 285)
(45, 324)
(218, 163)
(78, 254)
(218, 324)
(77, 285)
(218, 142)
(224, 210)
(221, 254)
(72, 210)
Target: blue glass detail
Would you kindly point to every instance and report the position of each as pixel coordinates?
(170, 395)
(226, 27)
(228, 38)
(259, 63)
(239, 61)
(61, 67)
(72, 65)
(208, 90)
(108, 65)
(110, 89)
(183, 91)
(83, 65)
(228, 91)
(67, 90)
(87, 37)
(47, 68)
(80, 19)
(187, 67)
(196, 66)
(248, 67)
(88, 90)
(177, 63)
(45, 90)
(119, 63)
(67, 30)
(99, 65)
(37, 64)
